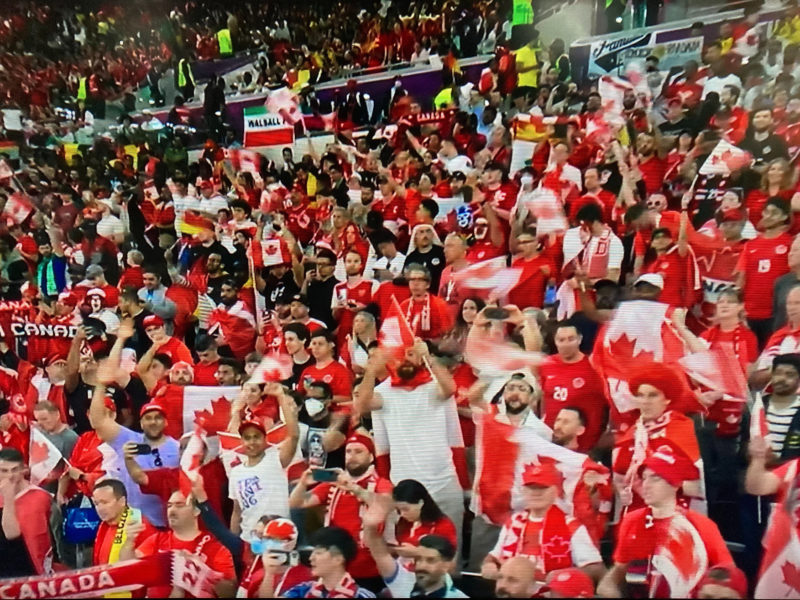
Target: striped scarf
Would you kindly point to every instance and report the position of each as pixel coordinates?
(347, 588)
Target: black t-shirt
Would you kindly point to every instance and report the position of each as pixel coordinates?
(676, 128)
(766, 150)
(139, 342)
(16, 560)
(320, 294)
(297, 370)
(79, 400)
(433, 259)
(283, 288)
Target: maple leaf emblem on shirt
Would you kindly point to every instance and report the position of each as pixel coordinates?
(270, 249)
(557, 547)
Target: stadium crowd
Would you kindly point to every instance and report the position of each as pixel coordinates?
(542, 340)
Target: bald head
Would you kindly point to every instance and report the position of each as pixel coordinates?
(517, 578)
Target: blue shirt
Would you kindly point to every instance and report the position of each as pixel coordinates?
(301, 591)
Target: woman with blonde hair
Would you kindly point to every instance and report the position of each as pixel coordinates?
(777, 180)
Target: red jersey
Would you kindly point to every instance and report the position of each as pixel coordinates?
(604, 199)
(653, 170)
(756, 199)
(164, 481)
(248, 588)
(131, 276)
(388, 290)
(411, 533)
(464, 377)
(762, 261)
(574, 384)
(504, 196)
(345, 510)
(105, 539)
(335, 374)
(532, 284)
(484, 250)
(206, 373)
(673, 269)
(640, 535)
(215, 555)
(669, 219)
(361, 293)
(716, 262)
(391, 209)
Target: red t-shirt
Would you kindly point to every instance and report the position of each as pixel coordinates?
(411, 533)
(105, 538)
(653, 170)
(604, 199)
(532, 284)
(164, 481)
(215, 555)
(574, 384)
(335, 374)
(206, 373)
(439, 316)
(639, 537)
(669, 219)
(360, 293)
(387, 290)
(762, 261)
(484, 250)
(672, 268)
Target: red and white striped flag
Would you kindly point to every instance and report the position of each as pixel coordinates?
(396, 335)
(488, 277)
(548, 209)
(46, 461)
(194, 405)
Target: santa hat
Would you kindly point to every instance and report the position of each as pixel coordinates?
(284, 531)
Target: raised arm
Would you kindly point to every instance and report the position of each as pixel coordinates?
(372, 519)
(107, 428)
(289, 409)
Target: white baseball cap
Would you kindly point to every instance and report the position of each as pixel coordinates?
(651, 278)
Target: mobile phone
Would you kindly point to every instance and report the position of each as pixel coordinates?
(496, 313)
(143, 449)
(324, 475)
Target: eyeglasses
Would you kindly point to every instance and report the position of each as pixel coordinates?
(157, 460)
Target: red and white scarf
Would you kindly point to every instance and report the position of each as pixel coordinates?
(419, 323)
(347, 588)
(555, 525)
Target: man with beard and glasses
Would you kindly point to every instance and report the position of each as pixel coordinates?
(164, 450)
(435, 558)
(232, 322)
(514, 404)
(346, 500)
(415, 421)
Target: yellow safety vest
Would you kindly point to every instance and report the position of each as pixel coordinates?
(82, 88)
(224, 41)
(182, 73)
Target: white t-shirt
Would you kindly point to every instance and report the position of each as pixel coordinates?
(260, 490)
(415, 425)
(212, 205)
(402, 583)
(181, 205)
(109, 226)
(716, 84)
(395, 265)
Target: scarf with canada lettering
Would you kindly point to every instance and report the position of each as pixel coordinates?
(555, 534)
(347, 588)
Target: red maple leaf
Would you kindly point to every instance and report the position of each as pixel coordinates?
(557, 547)
(624, 347)
(791, 576)
(216, 419)
(39, 452)
(270, 249)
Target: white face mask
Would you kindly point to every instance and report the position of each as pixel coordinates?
(314, 406)
(526, 180)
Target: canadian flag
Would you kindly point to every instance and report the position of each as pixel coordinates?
(191, 461)
(44, 458)
(641, 331)
(780, 566)
(276, 367)
(545, 205)
(491, 356)
(758, 419)
(18, 207)
(717, 369)
(680, 561)
(193, 406)
(724, 159)
(503, 451)
(266, 253)
(396, 334)
(487, 277)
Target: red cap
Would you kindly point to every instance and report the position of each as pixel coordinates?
(364, 440)
(153, 321)
(252, 423)
(206, 184)
(569, 583)
(151, 406)
(732, 215)
(735, 580)
(671, 464)
(545, 474)
(53, 358)
(68, 299)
